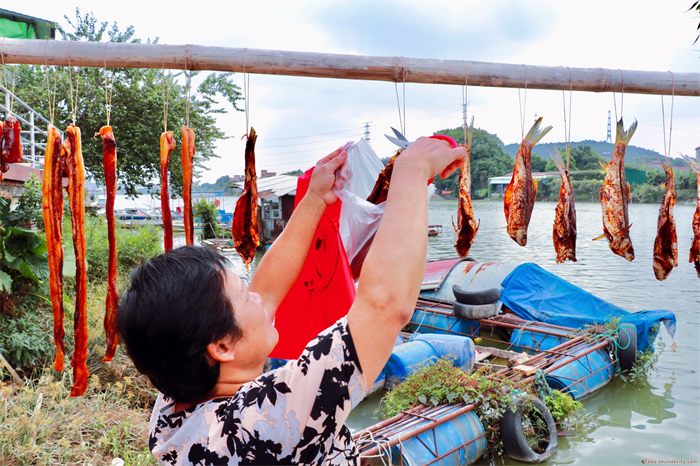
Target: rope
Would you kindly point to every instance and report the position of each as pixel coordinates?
(4, 74)
(667, 149)
(382, 446)
(465, 102)
(73, 100)
(166, 94)
(188, 84)
(541, 385)
(246, 97)
(622, 97)
(523, 107)
(108, 94)
(567, 133)
(52, 103)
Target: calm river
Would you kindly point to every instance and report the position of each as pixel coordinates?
(652, 422)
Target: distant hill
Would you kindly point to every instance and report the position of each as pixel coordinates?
(634, 155)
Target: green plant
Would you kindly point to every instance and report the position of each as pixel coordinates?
(29, 210)
(134, 246)
(562, 406)
(207, 214)
(646, 361)
(22, 252)
(26, 339)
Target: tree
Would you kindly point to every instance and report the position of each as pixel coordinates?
(488, 159)
(537, 163)
(696, 6)
(136, 107)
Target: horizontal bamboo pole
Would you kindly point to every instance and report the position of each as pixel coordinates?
(363, 67)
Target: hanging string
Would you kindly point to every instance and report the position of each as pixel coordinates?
(4, 74)
(108, 88)
(622, 97)
(667, 149)
(523, 106)
(246, 97)
(567, 132)
(188, 83)
(166, 92)
(465, 102)
(402, 120)
(73, 100)
(52, 102)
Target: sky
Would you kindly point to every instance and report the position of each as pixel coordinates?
(299, 119)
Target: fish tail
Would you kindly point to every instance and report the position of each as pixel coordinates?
(470, 133)
(623, 137)
(558, 161)
(693, 165)
(603, 164)
(535, 133)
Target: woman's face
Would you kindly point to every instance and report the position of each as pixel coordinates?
(259, 335)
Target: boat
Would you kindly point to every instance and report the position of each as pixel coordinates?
(434, 230)
(220, 244)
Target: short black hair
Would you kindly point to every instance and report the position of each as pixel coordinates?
(173, 307)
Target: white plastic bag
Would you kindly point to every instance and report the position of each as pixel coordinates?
(359, 219)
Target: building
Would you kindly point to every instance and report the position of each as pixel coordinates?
(266, 174)
(276, 197)
(498, 184)
(656, 165)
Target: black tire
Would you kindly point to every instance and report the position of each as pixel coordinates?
(475, 297)
(627, 346)
(483, 311)
(514, 442)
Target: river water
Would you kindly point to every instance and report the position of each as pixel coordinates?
(655, 421)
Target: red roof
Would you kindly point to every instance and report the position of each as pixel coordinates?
(20, 173)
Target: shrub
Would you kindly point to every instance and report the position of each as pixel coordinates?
(26, 339)
(207, 214)
(134, 246)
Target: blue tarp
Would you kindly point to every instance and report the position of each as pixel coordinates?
(535, 294)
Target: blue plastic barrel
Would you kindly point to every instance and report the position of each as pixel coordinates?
(406, 359)
(461, 349)
(580, 378)
(425, 447)
(430, 322)
(534, 342)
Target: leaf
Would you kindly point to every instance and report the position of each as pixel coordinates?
(5, 281)
(39, 265)
(20, 241)
(27, 271)
(422, 399)
(434, 400)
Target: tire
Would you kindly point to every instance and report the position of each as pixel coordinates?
(626, 346)
(483, 311)
(475, 297)
(514, 442)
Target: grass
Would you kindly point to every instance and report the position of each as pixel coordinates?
(41, 425)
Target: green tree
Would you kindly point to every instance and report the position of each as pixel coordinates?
(537, 163)
(488, 159)
(223, 183)
(296, 172)
(136, 107)
(207, 214)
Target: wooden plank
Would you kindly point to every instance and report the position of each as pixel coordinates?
(340, 66)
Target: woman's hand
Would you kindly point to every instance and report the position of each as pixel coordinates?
(323, 177)
(432, 157)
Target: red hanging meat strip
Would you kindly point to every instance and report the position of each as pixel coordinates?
(245, 232)
(11, 144)
(76, 197)
(109, 160)
(52, 206)
(188, 149)
(167, 144)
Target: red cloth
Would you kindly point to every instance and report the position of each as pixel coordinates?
(324, 290)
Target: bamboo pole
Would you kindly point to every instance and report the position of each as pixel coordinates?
(363, 67)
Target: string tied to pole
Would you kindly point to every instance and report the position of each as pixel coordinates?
(523, 107)
(73, 98)
(52, 102)
(465, 102)
(166, 91)
(667, 149)
(402, 117)
(567, 131)
(246, 95)
(622, 96)
(109, 88)
(4, 75)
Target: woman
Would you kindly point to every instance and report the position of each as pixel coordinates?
(202, 335)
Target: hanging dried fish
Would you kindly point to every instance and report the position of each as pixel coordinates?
(72, 148)
(10, 144)
(109, 160)
(246, 237)
(695, 246)
(615, 195)
(564, 233)
(519, 198)
(666, 242)
(52, 207)
(466, 225)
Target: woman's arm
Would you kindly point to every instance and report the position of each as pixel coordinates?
(282, 263)
(393, 270)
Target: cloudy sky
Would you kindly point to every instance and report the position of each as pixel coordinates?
(299, 120)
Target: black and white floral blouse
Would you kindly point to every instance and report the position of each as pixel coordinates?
(293, 415)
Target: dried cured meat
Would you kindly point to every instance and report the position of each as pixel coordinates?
(76, 197)
(52, 207)
(519, 198)
(188, 149)
(246, 237)
(167, 145)
(381, 186)
(109, 161)
(10, 144)
(466, 225)
(564, 233)
(666, 242)
(615, 195)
